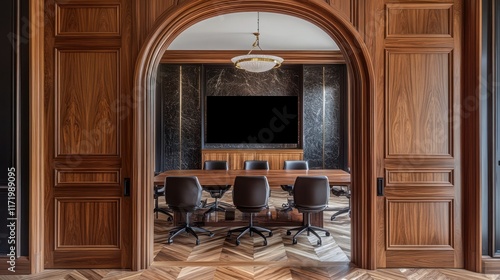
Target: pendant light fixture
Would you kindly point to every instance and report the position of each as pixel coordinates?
(257, 62)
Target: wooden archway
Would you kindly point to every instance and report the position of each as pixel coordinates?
(171, 24)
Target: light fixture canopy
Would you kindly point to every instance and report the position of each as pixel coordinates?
(257, 62)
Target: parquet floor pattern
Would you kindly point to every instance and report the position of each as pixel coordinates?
(218, 257)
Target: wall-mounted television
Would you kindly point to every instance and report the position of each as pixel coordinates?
(252, 120)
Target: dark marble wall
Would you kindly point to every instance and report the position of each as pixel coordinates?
(322, 92)
(325, 116)
(178, 117)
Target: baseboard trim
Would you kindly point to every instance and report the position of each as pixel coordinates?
(491, 265)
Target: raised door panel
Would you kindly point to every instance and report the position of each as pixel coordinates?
(419, 20)
(419, 217)
(418, 98)
(87, 98)
(87, 20)
(87, 124)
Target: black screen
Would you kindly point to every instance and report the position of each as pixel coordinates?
(252, 119)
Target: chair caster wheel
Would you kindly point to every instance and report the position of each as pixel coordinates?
(318, 243)
(288, 232)
(197, 242)
(211, 234)
(327, 233)
(294, 241)
(237, 242)
(271, 233)
(228, 235)
(333, 218)
(169, 241)
(265, 242)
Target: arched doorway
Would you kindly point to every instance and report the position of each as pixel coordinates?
(361, 87)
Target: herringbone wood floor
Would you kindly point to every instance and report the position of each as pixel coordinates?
(219, 258)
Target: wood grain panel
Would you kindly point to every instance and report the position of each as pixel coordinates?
(419, 95)
(87, 177)
(421, 259)
(419, 177)
(87, 20)
(236, 157)
(343, 5)
(87, 223)
(419, 224)
(419, 20)
(87, 97)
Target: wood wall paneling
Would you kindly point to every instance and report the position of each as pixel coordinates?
(87, 223)
(418, 98)
(87, 20)
(87, 177)
(430, 225)
(423, 177)
(421, 211)
(87, 124)
(237, 157)
(87, 98)
(419, 20)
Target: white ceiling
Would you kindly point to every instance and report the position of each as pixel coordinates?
(235, 32)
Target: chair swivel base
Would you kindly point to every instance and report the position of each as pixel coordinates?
(217, 207)
(340, 212)
(309, 229)
(250, 230)
(188, 229)
(164, 211)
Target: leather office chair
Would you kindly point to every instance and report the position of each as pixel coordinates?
(183, 194)
(311, 194)
(250, 195)
(256, 165)
(292, 165)
(159, 191)
(216, 191)
(342, 191)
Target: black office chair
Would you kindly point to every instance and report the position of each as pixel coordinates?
(159, 191)
(183, 194)
(342, 191)
(310, 194)
(216, 191)
(292, 165)
(250, 195)
(256, 165)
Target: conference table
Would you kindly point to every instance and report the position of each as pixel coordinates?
(336, 177)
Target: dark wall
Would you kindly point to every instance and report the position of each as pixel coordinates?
(14, 116)
(322, 93)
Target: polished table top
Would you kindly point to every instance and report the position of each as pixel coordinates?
(274, 177)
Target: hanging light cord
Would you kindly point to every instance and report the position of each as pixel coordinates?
(256, 43)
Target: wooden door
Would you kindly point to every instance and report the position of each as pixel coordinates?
(419, 214)
(87, 124)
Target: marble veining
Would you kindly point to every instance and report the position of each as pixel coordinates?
(322, 88)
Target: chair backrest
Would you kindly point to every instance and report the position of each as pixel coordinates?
(296, 165)
(250, 192)
(256, 165)
(311, 192)
(183, 192)
(215, 165)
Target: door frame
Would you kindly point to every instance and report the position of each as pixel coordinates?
(361, 70)
(361, 75)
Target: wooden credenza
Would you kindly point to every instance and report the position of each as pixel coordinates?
(236, 157)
